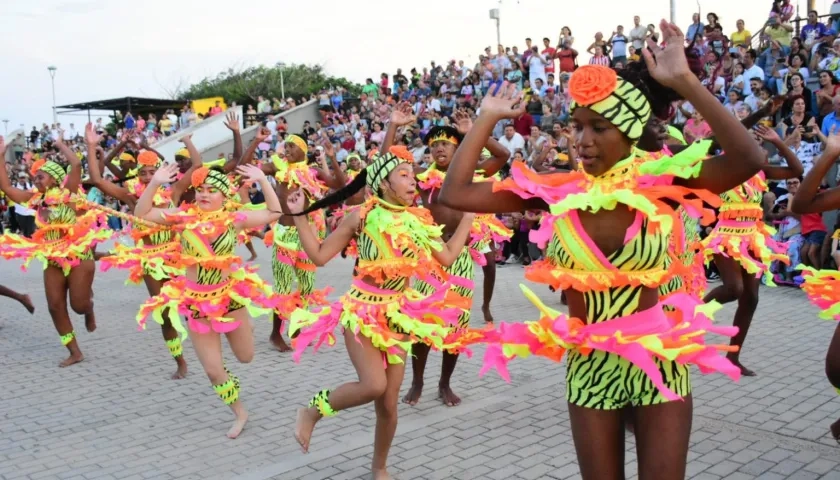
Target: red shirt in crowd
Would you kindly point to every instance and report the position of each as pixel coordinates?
(812, 222)
(523, 124)
(549, 54)
(348, 144)
(567, 60)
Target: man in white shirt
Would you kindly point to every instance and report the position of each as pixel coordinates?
(512, 141)
(70, 134)
(25, 216)
(638, 34)
(271, 125)
(751, 70)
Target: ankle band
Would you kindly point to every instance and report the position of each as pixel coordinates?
(176, 349)
(321, 401)
(66, 339)
(228, 391)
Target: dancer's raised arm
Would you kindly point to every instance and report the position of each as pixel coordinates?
(74, 175)
(181, 186)
(272, 212)
(92, 140)
(145, 204)
(777, 172)
(807, 200)
(15, 194)
(450, 250)
(232, 123)
(321, 252)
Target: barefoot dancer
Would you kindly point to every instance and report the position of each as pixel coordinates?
(380, 315)
(64, 242)
(486, 229)
(823, 286)
(742, 245)
(607, 245)
(154, 259)
(21, 298)
(289, 262)
(217, 295)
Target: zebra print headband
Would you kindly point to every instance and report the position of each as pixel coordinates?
(379, 169)
(601, 90)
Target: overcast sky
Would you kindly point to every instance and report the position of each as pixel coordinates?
(105, 49)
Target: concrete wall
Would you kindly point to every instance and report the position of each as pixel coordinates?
(204, 135)
(12, 139)
(295, 118)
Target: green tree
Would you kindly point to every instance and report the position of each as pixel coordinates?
(244, 85)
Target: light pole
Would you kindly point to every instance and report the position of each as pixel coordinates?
(52, 69)
(494, 15)
(282, 87)
(674, 11)
(6, 124)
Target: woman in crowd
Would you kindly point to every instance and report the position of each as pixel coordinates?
(64, 241)
(823, 286)
(742, 245)
(607, 239)
(381, 315)
(217, 294)
(155, 258)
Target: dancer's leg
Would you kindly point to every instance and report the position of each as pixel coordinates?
(419, 356)
(747, 304)
(170, 336)
(599, 442)
(489, 270)
(55, 286)
(386, 420)
(732, 285)
(250, 247)
(80, 284)
(208, 348)
(662, 434)
(367, 360)
(283, 282)
(21, 298)
(832, 371)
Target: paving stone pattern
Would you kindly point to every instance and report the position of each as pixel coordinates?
(117, 415)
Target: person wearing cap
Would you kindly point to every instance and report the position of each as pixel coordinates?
(380, 316)
(66, 236)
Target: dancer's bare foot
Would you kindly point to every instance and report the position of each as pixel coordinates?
(238, 425)
(744, 370)
(252, 257)
(413, 395)
(90, 321)
(305, 424)
(488, 317)
(27, 303)
(279, 344)
(72, 359)
(835, 431)
(380, 475)
(448, 397)
(182, 370)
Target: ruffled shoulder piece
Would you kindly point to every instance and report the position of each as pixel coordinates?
(208, 224)
(163, 196)
(53, 196)
(758, 182)
(640, 182)
(409, 232)
(433, 178)
(300, 175)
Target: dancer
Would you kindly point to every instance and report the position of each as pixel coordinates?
(486, 230)
(823, 286)
(217, 294)
(380, 315)
(64, 241)
(742, 245)
(289, 261)
(155, 258)
(623, 205)
(21, 298)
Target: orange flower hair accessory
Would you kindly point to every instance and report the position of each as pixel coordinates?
(36, 166)
(592, 83)
(148, 158)
(51, 168)
(198, 176)
(401, 152)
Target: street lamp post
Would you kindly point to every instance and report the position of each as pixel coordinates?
(282, 87)
(674, 12)
(52, 70)
(6, 125)
(494, 15)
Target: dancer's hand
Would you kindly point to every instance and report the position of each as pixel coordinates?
(403, 115)
(251, 173)
(91, 137)
(767, 134)
(262, 134)
(668, 65)
(2, 149)
(832, 144)
(166, 174)
(295, 201)
(504, 102)
(232, 121)
(463, 121)
(185, 138)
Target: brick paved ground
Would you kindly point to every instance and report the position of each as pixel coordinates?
(117, 415)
